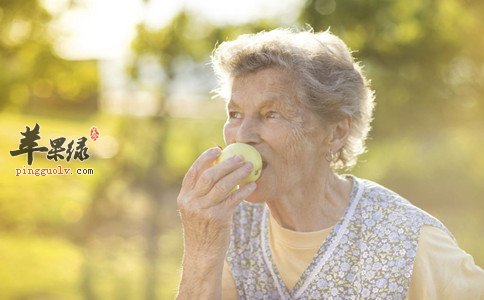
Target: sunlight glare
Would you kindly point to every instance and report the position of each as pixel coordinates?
(104, 29)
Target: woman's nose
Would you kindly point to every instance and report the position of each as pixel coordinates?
(248, 131)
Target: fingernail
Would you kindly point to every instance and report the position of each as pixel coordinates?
(248, 166)
(214, 151)
(251, 186)
(238, 158)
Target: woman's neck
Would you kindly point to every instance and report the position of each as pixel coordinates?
(313, 206)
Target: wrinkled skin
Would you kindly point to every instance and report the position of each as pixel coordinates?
(265, 111)
(206, 206)
(297, 183)
(206, 202)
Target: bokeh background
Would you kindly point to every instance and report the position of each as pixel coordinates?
(138, 71)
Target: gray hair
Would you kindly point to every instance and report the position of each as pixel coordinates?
(331, 82)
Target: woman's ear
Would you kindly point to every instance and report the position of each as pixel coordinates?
(339, 134)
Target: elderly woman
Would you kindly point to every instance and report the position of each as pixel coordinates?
(302, 231)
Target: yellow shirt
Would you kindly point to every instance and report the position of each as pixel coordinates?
(441, 269)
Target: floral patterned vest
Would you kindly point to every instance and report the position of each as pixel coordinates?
(368, 255)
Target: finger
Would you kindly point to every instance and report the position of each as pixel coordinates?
(236, 197)
(209, 178)
(204, 161)
(226, 184)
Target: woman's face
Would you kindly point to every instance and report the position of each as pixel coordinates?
(265, 112)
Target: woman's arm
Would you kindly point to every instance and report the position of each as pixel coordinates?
(229, 288)
(206, 204)
(201, 278)
(444, 271)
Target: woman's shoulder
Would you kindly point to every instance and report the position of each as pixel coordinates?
(392, 208)
(379, 197)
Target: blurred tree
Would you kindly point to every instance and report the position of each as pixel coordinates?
(33, 77)
(425, 58)
(187, 37)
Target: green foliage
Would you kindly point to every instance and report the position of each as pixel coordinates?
(187, 38)
(34, 77)
(423, 57)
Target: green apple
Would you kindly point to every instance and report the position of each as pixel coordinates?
(249, 153)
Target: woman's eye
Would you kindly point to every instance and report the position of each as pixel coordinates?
(272, 115)
(234, 115)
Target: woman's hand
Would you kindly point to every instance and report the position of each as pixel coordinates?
(206, 203)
